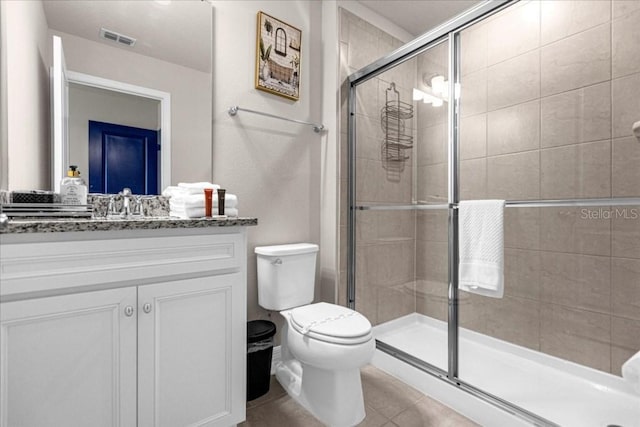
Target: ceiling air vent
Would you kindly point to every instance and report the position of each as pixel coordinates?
(117, 37)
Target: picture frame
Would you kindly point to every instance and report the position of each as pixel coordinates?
(278, 53)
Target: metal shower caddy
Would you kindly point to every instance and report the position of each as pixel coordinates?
(398, 137)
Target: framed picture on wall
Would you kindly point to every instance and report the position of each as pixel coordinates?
(278, 57)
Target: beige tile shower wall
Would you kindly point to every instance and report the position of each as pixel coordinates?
(431, 187)
(549, 92)
(385, 255)
(431, 149)
(385, 264)
(432, 263)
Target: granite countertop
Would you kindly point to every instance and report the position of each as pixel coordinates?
(39, 225)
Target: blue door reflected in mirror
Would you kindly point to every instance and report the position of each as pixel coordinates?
(123, 156)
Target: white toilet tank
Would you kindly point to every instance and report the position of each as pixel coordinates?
(286, 275)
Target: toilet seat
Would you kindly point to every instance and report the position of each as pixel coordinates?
(331, 323)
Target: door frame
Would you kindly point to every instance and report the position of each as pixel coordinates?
(165, 113)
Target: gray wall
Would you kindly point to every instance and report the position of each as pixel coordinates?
(273, 166)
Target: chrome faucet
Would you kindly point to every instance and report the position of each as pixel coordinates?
(131, 205)
(125, 212)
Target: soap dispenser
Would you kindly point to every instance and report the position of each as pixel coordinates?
(73, 189)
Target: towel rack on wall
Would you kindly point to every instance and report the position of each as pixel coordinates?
(317, 128)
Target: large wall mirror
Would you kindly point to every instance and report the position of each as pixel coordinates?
(130, 64)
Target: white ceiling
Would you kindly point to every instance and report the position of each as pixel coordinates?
(178, 32)
(418, 16)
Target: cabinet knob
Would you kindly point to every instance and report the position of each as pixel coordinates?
(128, 311)
(146, 308)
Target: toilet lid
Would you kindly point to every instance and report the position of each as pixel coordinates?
(332, 323)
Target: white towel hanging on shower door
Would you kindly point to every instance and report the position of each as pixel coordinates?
(481, 264)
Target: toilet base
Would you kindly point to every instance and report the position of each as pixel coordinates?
(333, 397)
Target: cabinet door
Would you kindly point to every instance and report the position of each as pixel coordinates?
(191, 344)
(69, 360)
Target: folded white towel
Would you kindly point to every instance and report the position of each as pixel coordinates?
(172, 191)
(185, 198)
(201, 185)
(199, 212)
(197, 200)
(482, 247)
(193, 187)
(631, 371)
(185, 188)
(230, 200)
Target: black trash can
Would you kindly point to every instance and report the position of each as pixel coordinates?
(259, 350)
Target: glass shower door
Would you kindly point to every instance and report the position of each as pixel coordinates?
(543, 120)
(401, 216)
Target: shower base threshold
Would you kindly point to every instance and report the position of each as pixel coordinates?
(560, 391)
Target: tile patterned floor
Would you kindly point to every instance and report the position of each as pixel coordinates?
(388, 401)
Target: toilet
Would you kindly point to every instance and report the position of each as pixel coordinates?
(323, 346)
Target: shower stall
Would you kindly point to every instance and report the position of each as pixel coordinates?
(531, 102)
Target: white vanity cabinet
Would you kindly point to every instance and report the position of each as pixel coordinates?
(69, 360)
(143, 328)
(187, 369)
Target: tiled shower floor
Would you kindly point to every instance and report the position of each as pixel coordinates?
(388, 402)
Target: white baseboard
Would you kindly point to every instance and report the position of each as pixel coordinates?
(275, 358)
